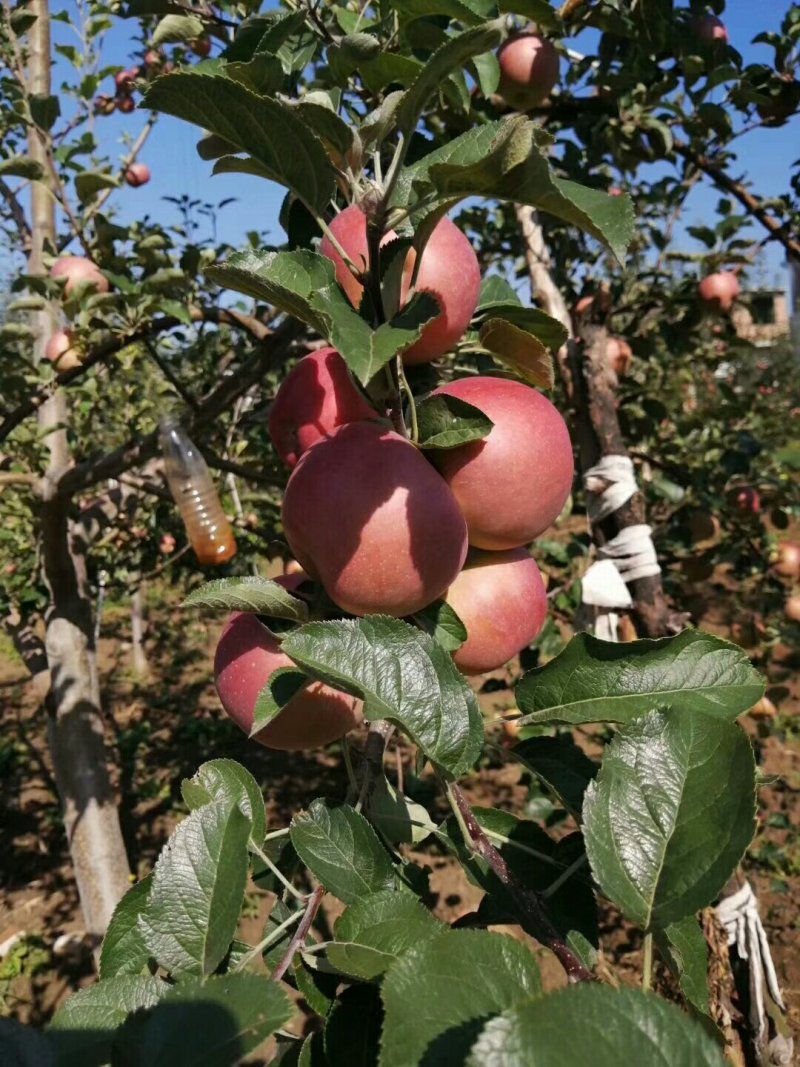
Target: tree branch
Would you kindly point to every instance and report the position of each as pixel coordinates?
(17, 214)
(300, 934)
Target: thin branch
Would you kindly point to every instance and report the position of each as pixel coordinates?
(241, 470)
(174, 381)
(17, 214)
(300, 934)
(533, 915)
(17, 478)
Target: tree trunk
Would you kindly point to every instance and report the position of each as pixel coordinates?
(138, 654)
(76, 725)
(590, 391)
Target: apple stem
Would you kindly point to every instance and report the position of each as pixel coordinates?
(278, 874)
(270, 939)
(412, 407)
(533, 915)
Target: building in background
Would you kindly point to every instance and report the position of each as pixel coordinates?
(762, 317)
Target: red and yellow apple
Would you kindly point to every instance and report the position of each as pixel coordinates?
(314, 399)
(528, 70)
(62, 352)
(787, 559)
(710, 30)
(501, 599)
(125, 104)
(365, 513)
(792, 607)
(76, 270)
(247, 656)
(718, 291)
(449, 272)
(513, 483)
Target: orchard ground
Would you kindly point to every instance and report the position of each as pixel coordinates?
(164, 728)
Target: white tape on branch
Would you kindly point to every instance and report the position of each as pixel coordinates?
(609, 484)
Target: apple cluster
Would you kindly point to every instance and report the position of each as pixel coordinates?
(389, 528)
(77, 275)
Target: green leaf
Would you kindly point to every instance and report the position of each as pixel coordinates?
(602, 681)
(21, 167)
(265, 32)
(443, 624)
(496, 292)
(124, 950)
(539, 11)
(447, 422)
(507, 160)
(91, 182)
(258, 595)
(82, 1030)
(353, 1029)
(670, 814)
(561, 765)
(520, 350)
(341, 849)
(376, 931)
(198, 889)
(175, 29)
(214, 1022)
(683, 948)
(487, 70)
(263, 74)
(377, 124)
(446, 981)
(266, 129)
(400, 820)
(597, 1025)
(402, 675)
(389, 68)
(45, 110)
(469, 12)
(22, 1046)
(228, 782)
(450, 57)
(326, 124)
(282, 686)
(303, 284)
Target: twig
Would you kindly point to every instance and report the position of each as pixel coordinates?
(533, 916)
(278, 874)
(270, 939)
(17, 214)
(372, 766)
(312, 907)
(647, 965)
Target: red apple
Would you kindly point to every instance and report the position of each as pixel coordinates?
(104, 105)
(449, 271)
(710, 30)
(137, 174)
(528, 70)
(291, 566)
(514, 483)
(501, 599)
(201, 46)
(619, 355)
(787, 559)
(718, 291)
(615, 191)
(167, 544)
(368, 515)
(747, 500)
(78, 269)
(315, 398)
(792, 607)
(125, 104)
(61, 351)
(152, 58)
(10, 569)
(247, 656)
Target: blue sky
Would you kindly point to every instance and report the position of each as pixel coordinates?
(764, 155)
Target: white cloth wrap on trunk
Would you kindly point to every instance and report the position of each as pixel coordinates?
(609, 484)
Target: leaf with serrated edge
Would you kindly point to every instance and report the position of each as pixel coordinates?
(597, 1025)
(227, 781)
(448, 421)
(197, 892)
(375, 931)
(261, 126)
(519, 350)
(447, 980)
(602, 681)
(124, 950)
(214, 1022)
(563, 767)
(82, 1031)
(341, 849)
(402, 675)
(670, 814)
(258, 595)
(684, 949)
(443, 624)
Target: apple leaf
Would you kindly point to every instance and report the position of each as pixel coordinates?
(602, 681)
(376, 930)
(447, 422)
(258, 595)
(124, 950)
(670, 814)
(519, 350)
(402, 675)
(443, 624)
(228, 781)
(593, 1023)
(683, 948)
(266, 129)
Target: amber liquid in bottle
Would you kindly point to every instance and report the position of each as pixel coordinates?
(194, 492)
